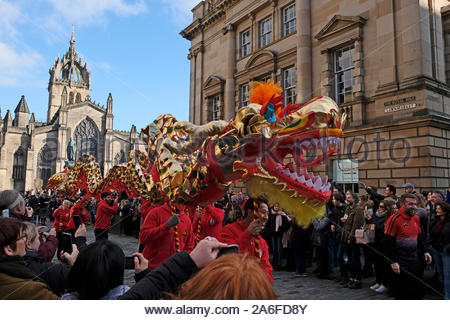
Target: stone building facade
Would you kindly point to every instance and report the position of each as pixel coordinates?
(385, 62)
(31, 151)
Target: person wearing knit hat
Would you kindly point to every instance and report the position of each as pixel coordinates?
(12, 204)
(408, 188)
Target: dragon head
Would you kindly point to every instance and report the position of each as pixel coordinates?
(280, 162)
(274, 148)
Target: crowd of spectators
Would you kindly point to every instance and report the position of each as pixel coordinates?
(407, 233)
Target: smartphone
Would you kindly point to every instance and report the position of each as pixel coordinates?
(129, 262)
(77, 221)
(5, 213)
(46, 229)
(232, 248)
(66, 242)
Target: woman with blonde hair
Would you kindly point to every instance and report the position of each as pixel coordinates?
(234, 277)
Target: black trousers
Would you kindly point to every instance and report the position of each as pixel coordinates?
(101, 234)
(408, 285)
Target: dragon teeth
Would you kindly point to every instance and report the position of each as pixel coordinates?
(301, 179)
(306, 143)
(318, 184)
(324, 180)
(325, 188)
(309, 183)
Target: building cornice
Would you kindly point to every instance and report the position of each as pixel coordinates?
(214, 14)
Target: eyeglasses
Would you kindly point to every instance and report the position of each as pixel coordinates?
(381, 207)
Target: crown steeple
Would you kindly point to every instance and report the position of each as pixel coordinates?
(71, 74)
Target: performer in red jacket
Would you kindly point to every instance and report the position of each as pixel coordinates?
(207, 222)
(106, 208)
(78, 209)
(165, 231)
(245, 232)
(62, 217)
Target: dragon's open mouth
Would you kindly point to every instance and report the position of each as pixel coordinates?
(298, 156)
(284, 174)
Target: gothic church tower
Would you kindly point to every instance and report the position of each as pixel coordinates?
(70, 81)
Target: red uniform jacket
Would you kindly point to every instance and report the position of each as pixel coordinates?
(104, 214)
(236, 233)
(62, 218)
(210, 224)
(159, 240)
(76, 210)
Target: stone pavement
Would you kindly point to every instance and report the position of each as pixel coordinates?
(287, 285)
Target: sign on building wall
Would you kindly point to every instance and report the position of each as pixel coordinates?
(400, 104)
(345, 171)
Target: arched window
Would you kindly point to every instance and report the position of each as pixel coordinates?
(19, 165)
(78, 98)
(86, 137)
(46, 157)
(119, 158)
(71, 98)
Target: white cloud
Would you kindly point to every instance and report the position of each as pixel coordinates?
(85, 12)
(180, 10)
(14, 64)
(9, 17)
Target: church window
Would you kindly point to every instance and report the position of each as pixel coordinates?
(119, 158)
(78, 98)
(44, 163)
(19, 165)
(71, 98)
(86, 136)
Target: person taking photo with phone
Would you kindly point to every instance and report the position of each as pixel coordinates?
(53, 274)
(17, 281)
(13, 203)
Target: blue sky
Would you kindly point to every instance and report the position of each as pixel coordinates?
(132, 47)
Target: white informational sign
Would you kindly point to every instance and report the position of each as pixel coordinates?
(345, 171)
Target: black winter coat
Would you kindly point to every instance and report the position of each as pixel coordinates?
(53, 274)
(271, 224)
(441, 240)
(164, 278)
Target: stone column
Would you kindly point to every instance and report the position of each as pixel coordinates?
(304, 50)
(276, 21)
(229, 92)
(387, 44)
(191, 87)
(63, 140)
(254, 31)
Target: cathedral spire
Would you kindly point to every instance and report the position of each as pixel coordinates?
(72, 54)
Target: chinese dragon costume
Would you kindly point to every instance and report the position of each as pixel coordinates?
(269, 146)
